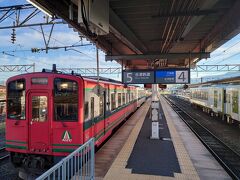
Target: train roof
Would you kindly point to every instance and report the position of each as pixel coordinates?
(89, 78)
(102, 79)
(225, 86)
(225, 81)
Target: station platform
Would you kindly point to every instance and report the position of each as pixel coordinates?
(178, 154)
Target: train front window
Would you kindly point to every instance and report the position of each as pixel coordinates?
(65, 100)
(39, 108)
(16, 100)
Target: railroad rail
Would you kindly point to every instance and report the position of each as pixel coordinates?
(3, 154)
(228, 158)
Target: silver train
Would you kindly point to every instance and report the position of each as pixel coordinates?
(218, 100)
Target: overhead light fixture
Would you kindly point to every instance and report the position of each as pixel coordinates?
(40, 7)
(195, 60)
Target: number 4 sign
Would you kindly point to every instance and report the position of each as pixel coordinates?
(182, 76)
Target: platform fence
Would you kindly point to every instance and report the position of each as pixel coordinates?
(77, 165)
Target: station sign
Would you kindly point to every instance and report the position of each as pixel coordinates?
(138, 77)
(159, 76)
(173, 76)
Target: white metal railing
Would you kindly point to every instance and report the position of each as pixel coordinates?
(77, 165)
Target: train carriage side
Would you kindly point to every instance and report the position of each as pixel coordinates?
(141, 96)
(201, 97)
(218, 99)
(233, 102)
(103, 112)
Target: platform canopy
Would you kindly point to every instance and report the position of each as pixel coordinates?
(166, 33)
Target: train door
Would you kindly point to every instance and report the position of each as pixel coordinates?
(104, 110)
(107, 107)
(38, 122)
(235, 104)
(92, 116)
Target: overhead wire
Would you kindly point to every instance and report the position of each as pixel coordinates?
(56, 40)
(16, 56)
(226, 50)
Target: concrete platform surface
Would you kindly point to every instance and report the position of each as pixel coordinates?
(178, 154)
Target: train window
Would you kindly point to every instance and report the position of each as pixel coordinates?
(235, 100)
(224, 96)
(92, 108)
(126, 97)
(123, 98)
(16, 100)
(119, 99)
(65, 100)
(113, 101)
(86, 110)
(215, 98)
(39, 108)
(101, 106)
(228, 98)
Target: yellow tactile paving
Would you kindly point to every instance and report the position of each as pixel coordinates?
(118, 171)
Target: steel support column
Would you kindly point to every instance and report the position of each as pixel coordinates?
(155, 112)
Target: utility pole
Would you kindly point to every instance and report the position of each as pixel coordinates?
(97, 57)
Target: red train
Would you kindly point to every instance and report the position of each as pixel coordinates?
(49, 114)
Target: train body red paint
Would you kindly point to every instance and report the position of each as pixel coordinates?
(51, 114)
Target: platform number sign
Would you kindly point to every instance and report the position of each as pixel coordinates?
(138, 77)
(172, 76)
(129, 77)
(158, 76)
(182, 76)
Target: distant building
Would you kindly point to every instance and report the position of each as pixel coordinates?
(2, 92)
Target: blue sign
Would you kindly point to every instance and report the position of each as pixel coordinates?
(172, 76)
(160, 76)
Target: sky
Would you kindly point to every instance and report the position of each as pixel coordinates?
(81, 57)
(31, 37)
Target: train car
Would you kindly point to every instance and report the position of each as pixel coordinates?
(210, 98)
(50, 114)
(219, 100)
(200, 96)
(233, 103)
(141, 94)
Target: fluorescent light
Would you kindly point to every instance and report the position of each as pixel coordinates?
(195, 60)
(40, 7)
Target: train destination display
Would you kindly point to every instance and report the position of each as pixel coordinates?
(163, 76)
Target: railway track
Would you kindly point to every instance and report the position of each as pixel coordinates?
(3, 154)
(228, 158)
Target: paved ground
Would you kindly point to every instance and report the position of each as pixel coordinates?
(154, 157)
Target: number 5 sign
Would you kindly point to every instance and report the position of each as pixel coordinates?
(129, 78)
(182, 76)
